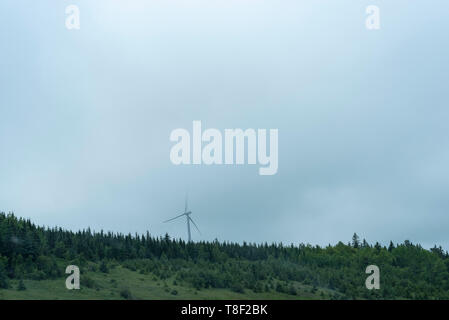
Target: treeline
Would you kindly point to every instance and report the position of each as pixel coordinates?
(408, 271)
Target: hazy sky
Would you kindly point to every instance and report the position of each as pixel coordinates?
(86, 115)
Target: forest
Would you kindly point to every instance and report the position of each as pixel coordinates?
(34, 254)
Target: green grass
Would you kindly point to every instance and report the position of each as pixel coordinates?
(103, 286)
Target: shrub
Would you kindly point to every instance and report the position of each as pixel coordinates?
(292, 290)
(104, 267)
(88, 282)
(21, 286)
(237, 287)
(3, 280)
(125, 293)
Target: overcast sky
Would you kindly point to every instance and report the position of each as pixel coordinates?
(86, 115)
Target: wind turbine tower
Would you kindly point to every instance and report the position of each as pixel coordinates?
(187, 214)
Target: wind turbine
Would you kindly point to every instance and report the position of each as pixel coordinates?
(187, 214)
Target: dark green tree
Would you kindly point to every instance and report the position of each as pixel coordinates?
(21, 285)
(355, 241)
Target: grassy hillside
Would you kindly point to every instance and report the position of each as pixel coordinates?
(113, 266)
(122, 283)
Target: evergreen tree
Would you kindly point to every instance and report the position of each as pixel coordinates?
(391, 246)
(355, 241)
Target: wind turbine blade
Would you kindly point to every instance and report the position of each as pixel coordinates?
(195, 225)
(185, 210)
(174, 218)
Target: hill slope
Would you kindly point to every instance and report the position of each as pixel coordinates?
(122, 283)
(114, 266)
